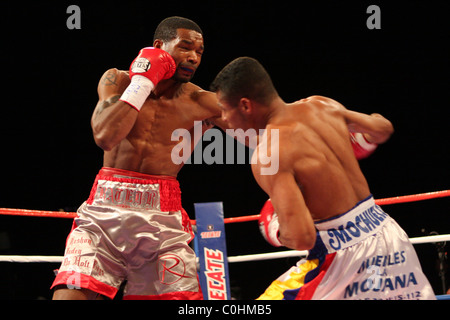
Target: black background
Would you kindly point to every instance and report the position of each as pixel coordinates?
(50, 73)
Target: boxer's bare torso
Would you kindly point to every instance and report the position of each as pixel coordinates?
(148, 145)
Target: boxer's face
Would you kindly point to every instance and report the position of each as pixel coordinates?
(236, 116)
(187, 50)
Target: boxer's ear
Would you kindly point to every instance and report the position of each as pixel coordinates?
(245, 106)
(158, 43)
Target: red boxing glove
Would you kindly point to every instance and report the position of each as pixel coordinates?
(150, 67)
(361, 147)
(268, 224)
(154, 64)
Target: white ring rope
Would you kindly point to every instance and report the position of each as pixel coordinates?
(430, 239)
(242, 258)
(268, 256)
(295, 253)
(30, 259)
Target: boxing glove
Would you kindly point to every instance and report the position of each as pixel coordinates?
(150, 67)
(268, 224)
(361, 147)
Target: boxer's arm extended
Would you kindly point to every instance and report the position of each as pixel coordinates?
(375, 128)
(208, 101)
(112, 119)
(297, 229)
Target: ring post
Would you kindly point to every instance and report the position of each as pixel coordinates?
(211, 249)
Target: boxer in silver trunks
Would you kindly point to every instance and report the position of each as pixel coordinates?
(133, 228)
(319, 199)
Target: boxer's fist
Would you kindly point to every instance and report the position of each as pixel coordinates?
(150, 67)
(268, 224)
(361, 147)
(154, 64)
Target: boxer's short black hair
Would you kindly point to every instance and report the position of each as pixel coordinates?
(244, 78)
(167, 29)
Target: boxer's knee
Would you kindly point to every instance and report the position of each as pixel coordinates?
(63, 293)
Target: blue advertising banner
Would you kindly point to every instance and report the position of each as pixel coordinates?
(211, 249)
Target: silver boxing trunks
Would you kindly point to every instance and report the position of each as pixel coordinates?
(131, 230)
(361, 254)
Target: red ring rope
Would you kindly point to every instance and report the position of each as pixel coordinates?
(37, 213)
(386, 201)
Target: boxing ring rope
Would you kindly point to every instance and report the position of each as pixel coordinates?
(380, 202)
(241, 258)
(71, 215)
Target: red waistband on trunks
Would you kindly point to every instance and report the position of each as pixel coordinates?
(124, 195)
(121, 173)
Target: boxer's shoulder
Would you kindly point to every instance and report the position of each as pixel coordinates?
(112, 84)
(114, 77)
(195, 92)
(315, 104)
(206, 100)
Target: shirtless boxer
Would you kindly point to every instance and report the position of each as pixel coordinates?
(132, 229)
(319, 199)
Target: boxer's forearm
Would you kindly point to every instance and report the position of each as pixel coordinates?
(376, 128)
